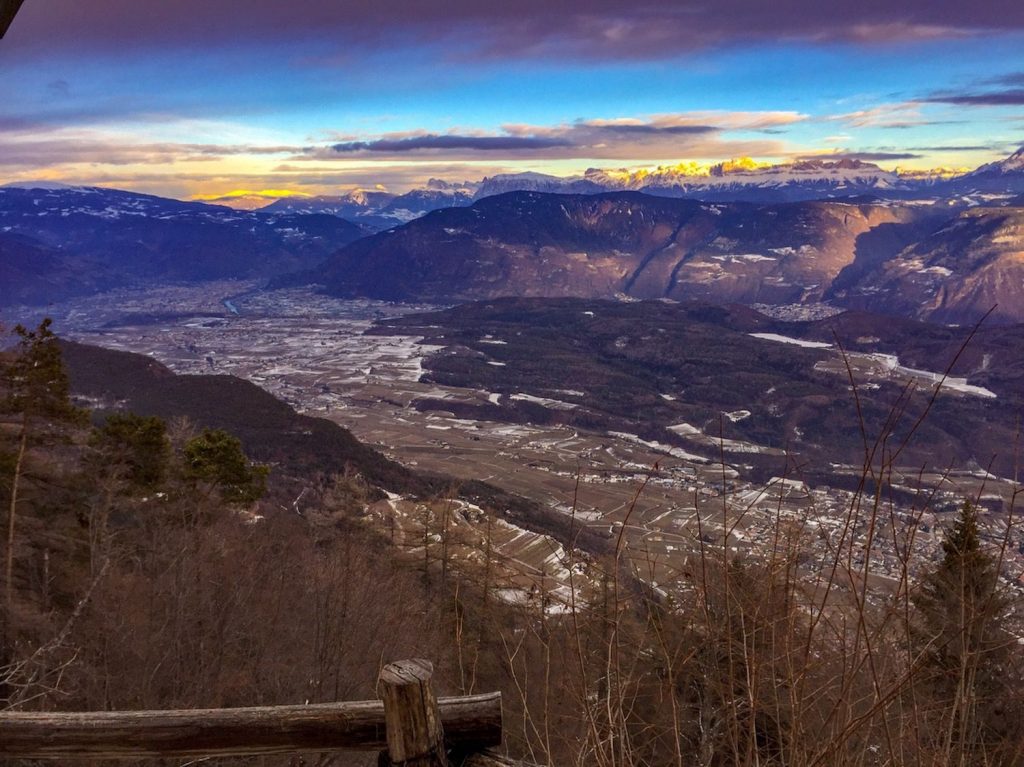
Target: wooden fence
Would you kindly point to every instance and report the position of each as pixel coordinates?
(408, 725)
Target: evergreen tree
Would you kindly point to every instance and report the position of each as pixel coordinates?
(216, 457)
(36, 382)
(964, 645)
(137, 443)
(36, 390)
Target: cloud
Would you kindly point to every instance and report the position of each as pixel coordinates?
(1004, 98)
(448, 141)
(25, 145)
(863, 156)
(57, 148)
(642, 29)
(1012, 79)
(900, 115)
(974, 148)
(658, 137)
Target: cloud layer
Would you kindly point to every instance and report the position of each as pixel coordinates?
(576, 28)
(698, 134)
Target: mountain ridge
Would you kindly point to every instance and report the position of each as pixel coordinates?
(855, 253)
(88, 239)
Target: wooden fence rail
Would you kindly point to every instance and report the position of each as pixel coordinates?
(414, 727)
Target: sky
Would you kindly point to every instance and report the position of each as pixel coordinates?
(259, 99)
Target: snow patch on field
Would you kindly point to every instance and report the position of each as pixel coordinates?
(554, 404)
(751, 257)
(737, 415)
(659, 447)
(891, 363)
(788, 340)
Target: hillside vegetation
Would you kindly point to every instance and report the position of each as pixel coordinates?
(147, 569)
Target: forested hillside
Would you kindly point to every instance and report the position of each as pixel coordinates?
(145, 567)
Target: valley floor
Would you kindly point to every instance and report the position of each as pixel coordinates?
(311, 351)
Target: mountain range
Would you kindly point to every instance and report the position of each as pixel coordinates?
(941, 262)
(731, 181)
(746, 180)
(377, 209)
(58, 241)
(939, 247)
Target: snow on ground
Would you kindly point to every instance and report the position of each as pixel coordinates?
(795, 341)
(554, 404)
(752, 257)
(686, 430)
(660, 447)
(891, 363)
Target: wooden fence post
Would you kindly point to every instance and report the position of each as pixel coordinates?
(411, 717)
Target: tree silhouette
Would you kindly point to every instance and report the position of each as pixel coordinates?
(964, 646)
(38, 391)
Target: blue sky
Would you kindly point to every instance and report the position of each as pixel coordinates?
(186, 100)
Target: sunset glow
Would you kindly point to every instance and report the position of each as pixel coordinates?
(248, 101)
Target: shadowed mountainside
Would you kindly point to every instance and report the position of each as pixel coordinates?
(926, 262)
(56, 243)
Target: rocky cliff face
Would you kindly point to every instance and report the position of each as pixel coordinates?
(973, 263)
(617, 244)
(929, 262)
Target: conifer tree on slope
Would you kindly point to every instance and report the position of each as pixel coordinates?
(965, 647)
(36, 389)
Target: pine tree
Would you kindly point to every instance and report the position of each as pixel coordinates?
(963, 644)
(38, 392)
(216, 457)
(138, 445)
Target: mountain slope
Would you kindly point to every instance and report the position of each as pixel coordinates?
(533, 244)
(298, 447)
(949, 264)
(1003, 177)
(100, 238)
(956, 274)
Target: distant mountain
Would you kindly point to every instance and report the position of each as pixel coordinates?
(542, 182)
(921, 261)
(805, 180)
(61, 241)
(1005, 177)
(379, 210)
(349, 206)
(737, 180)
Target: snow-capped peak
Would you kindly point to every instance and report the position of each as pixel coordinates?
(1012, 164)
(1015, 162)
